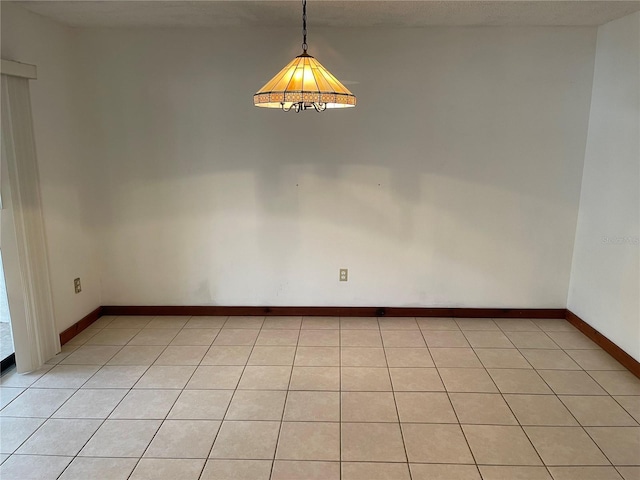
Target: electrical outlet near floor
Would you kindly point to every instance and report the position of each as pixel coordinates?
(76, 285)
(344, 274)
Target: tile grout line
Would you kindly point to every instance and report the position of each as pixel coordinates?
(340, 395)
(546, 467)
(360, 421)
(112, 410)
(73, 457)
(208, 458)
(453, 408)
(395, 401)
(129, 390)
(582, 369)
(132, 388)
(557, 396)
(177, 398)
(624, 408)
(228, 404)
(286, 398)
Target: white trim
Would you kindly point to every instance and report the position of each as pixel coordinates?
(17, 69)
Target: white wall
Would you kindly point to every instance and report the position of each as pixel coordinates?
(455, 182)
(64, 170)
(605, 274)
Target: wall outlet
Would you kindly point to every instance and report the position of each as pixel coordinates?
(76, 285)
(344, 274)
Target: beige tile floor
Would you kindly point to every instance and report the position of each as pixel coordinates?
(323, 398)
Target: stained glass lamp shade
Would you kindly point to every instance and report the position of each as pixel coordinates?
(304, 84)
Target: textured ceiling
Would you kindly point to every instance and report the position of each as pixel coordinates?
(355, 13)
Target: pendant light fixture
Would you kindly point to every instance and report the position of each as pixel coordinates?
(304, 84)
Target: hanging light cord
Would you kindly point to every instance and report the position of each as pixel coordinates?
(304, 26)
